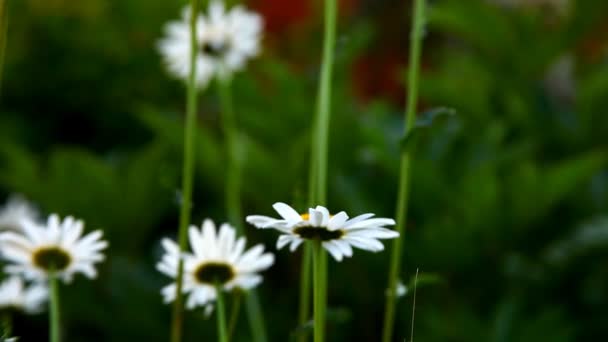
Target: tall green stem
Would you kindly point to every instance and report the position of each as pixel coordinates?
(187, 175)
(234, 313)
(406, 159)
(318, 165)
(233, 196)
(54, 307)
(221, 316)
(319, 289)
(305, 280)
(324, 101)
(233, 146)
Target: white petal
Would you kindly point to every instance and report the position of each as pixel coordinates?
(287, 212)
(333, 250)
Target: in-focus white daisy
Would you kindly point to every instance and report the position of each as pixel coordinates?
(218, 259)
(57, 247)
(226, 40)
(336, 232)
(15, 210)
(14, 295)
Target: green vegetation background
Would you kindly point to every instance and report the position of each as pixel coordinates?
(509, 200)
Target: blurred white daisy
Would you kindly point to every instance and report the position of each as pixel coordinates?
(336, 232)
(225, 39)
(15, 210)
(14, 295)
(218, 259)
(57, 247)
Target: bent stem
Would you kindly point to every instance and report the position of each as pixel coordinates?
(233, 195)
(403, 192)
(320, 282)
(54, 307)
(221, 315)
(187, 175)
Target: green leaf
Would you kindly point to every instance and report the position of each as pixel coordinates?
(426, 121)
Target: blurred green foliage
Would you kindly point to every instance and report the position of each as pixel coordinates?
(509, 196)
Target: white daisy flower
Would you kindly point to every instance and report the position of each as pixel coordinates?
(336, 232)
(57, 247)
(226, 40)
(15, 210)
(217, 259)
(14, 295)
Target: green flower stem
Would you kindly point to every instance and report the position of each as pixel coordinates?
(318, 168)
(254, 316)
(406, 159)
(305, 280)
(319, 289)
(234, 313)
(321, 139)
(233, 196)
(233, 146)
(54, 307)
(221, 315)
(187, 176)
(4, 9)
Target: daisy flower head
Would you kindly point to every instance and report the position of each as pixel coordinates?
(225, 39)
(14, 295)
(218, 259)
(15, 210)
(337, 233)
(56, 247)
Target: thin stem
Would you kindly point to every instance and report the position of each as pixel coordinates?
(414, 306)
(255, 315)
(305, 280)
(319, 153)
(234, 313)
(320, 280)
(187, 175)
(221, 315)
(321, 139)
(4, 10)
(403, 192)
(54, 307)
(233, 201)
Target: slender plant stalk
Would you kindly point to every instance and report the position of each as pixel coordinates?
(221, 316)
(406, 159)
(318, 179)
(324, 101)
(320, 279)
(305, 280)
(233, 174)
(234, 313)
(4, 9)
(54, 307)
(187, 175)
(414, 307)
(233, 197)
(254, 316)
